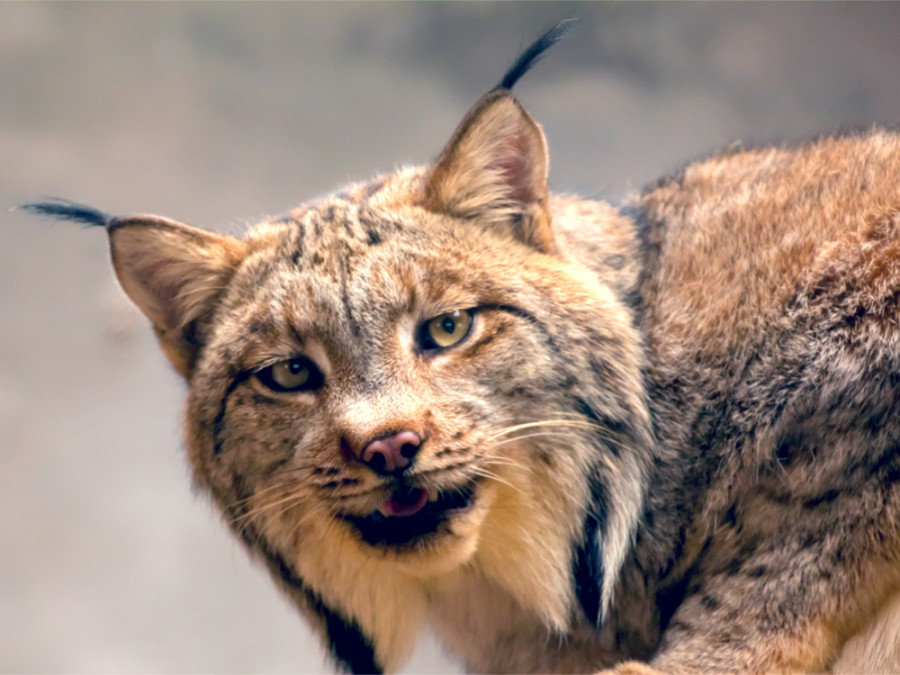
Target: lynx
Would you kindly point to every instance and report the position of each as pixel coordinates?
(568, 436)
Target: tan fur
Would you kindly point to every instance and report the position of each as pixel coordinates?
(800, 243)
(673, 426)
(876, 649)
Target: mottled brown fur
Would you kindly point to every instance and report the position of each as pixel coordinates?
(678, 419)
(769, 310)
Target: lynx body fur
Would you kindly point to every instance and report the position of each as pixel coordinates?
(666, 432)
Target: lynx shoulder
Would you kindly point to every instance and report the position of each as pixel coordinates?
(565, 435)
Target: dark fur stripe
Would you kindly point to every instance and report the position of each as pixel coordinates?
(219, 422)
(349, 646)
(66, 210)
(528, 316)
(587, 563)
(608, 425)
(534, 53)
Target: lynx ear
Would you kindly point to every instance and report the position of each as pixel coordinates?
(173, 273)
(495, 170)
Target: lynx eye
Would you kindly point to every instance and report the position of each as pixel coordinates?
(446, 330)
(297, 374)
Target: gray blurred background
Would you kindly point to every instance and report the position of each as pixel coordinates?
(217, 114)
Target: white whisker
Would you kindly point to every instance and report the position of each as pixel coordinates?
(576, 424)
(527, 436)
(480, 471)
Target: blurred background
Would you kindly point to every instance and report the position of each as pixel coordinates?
(218, 114)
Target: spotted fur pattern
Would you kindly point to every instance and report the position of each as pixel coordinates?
(671, 434)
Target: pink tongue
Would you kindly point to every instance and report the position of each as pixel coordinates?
(405, 504)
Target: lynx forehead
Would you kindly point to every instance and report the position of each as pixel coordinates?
(563, 435)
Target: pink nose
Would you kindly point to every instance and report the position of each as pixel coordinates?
(392, 454)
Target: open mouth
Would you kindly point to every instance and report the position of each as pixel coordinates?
(411, 514)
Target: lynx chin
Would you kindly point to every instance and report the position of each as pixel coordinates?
(662, 437)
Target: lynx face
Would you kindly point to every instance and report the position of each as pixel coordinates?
(376, 371)
(366, 373)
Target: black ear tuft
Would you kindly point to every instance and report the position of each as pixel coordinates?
(534, 52)
(66, 210)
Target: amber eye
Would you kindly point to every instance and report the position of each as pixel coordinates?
(446, 330)
(297, 374)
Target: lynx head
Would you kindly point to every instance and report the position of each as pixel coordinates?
(403, 381)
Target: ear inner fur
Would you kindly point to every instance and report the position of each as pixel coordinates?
(494, 170)
(173, 273)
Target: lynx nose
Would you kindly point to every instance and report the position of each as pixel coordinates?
(392, 454)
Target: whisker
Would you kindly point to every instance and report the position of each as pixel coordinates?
(481, 471)
(556, 413)
(246, 515)
(606, 438)
(280, 485)
(306, 518)
(282, 475)
(504, 461)
(318, 507)
(269, 506)
(526, 436)
(574, 423)
(273, 517)
(255, 495)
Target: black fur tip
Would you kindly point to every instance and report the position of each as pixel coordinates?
(534, 52)
(66, 210)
